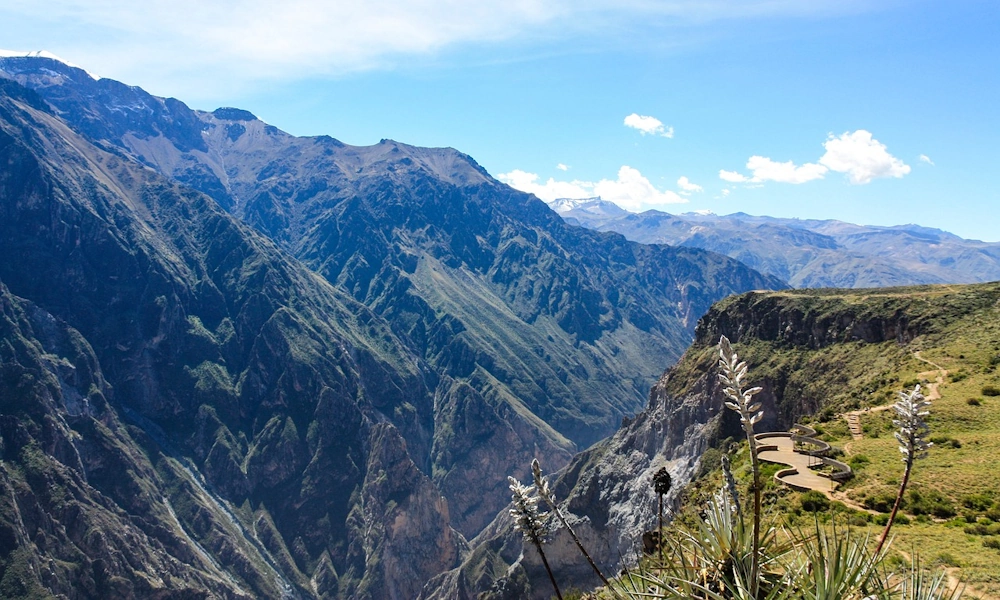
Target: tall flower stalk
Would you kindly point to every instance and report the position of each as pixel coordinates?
(732, 375)
(530, 522)
(911, 408)
(661, 485)
(550, 498)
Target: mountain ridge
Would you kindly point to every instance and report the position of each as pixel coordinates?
(807, 252)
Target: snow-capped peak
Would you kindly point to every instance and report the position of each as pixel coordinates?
(44, 54)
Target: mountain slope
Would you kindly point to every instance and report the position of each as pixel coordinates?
(539, 336)
(264, 405)
(806, 253)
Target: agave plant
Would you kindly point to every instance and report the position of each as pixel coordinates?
(918, 584)
(835, 565)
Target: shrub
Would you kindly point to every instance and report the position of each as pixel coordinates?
(974, 402)
(930, 502)
(813, 501)
(992, 543)
(858, 460)
(994, 511)
(980, 502)
(947, 559)
(989, 390)
(944, 441)
(959, 376)
(881, 502)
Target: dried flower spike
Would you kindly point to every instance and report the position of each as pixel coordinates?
(911, 409)
(732, 374)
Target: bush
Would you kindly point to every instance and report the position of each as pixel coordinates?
(944, 441)
(994, 511)
(858, 460)
(992, 543)
(989, 390)
(974, 402)
(813, 501)
(980, 502)
(946, 559)
(930, 502)
(959, 376)
(881, 502)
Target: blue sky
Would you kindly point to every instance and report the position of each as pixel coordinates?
(871, 112)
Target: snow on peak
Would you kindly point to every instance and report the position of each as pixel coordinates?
(44, 54)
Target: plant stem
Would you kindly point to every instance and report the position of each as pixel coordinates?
(659, 531)
(548, 569)
(896, 505)
(755, 559)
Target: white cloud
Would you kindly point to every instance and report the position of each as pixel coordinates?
(861, 157)
(925, 159)
(647, 125)
(765, 169)
(725, 192)
(858, 154)
(562, 167)
(631, 190)
(181, 46)
(731, 176)
(686, 186)
(550, 190)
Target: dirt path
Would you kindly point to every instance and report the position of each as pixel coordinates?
(932, 392)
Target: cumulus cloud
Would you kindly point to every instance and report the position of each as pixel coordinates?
(858, 155)
(548, 191)
(731, 176)
(631, 190)
(647, 125)
(925, 159)
(765, 169)
(861, 157)
(562, 167)
(725, 192)
(687, 187)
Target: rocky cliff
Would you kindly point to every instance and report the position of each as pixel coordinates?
(256, 397)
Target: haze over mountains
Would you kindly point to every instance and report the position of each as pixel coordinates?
(286, 366)
(805, 253)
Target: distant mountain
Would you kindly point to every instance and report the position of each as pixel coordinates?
(805, 253)
(321, 361)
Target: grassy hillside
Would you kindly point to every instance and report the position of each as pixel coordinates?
(822, 354)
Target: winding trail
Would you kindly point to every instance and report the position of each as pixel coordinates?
(933, 392)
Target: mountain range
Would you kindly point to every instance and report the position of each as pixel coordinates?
(807, 253)
(240, 363)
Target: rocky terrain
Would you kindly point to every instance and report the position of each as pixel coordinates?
(298, 368)
(803, 252)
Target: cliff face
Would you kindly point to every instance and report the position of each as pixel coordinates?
(810, 351)
(220, 407)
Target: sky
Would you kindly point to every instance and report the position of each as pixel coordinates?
(873, 112)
